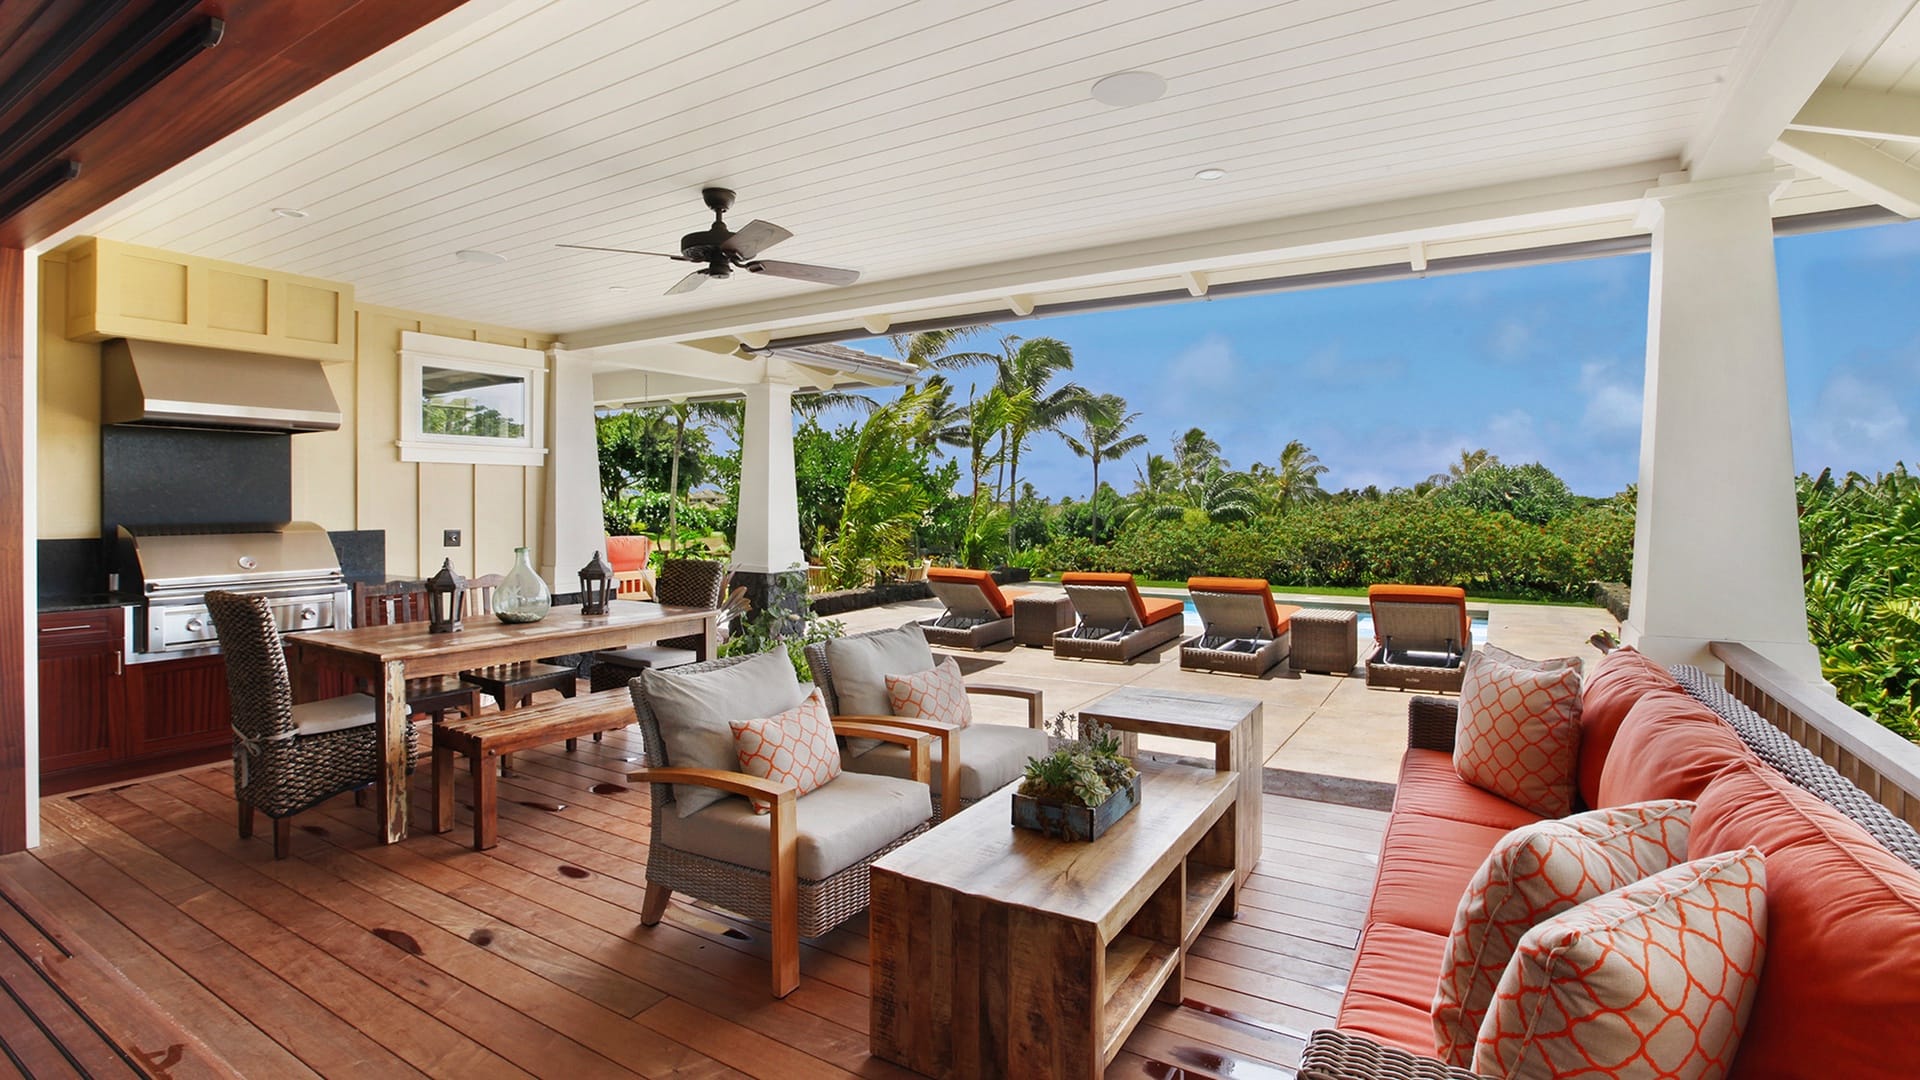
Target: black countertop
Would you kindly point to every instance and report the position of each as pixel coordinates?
(89, 602)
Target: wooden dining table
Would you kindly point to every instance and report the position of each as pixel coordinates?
(387, 656)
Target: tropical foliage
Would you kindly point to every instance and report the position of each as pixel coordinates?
(1860, 540)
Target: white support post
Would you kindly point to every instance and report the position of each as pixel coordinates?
(572, 528)
(1717, 550)
(767, 539)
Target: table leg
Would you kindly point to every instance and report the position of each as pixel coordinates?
(1240, 750)
(393, 720)
(709, 637)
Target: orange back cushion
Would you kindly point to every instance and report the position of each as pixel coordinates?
(1246, 586)
(1619, 680)
(1669, 747)
(628, 552)
(1840, 986)
(982, 578)
(1092, 577)
(1423, 594)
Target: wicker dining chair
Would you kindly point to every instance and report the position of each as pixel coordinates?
(682, 583)
(286, 757)
(803, 868)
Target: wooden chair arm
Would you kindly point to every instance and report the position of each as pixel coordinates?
(919, 746)
(1036, 709)
(904, 723)
(733, 783)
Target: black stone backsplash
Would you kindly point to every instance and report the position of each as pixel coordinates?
(363, 554)
(184, 476)
(70, 568)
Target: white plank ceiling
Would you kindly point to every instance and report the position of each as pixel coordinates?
(903, 138)
(1886, 62)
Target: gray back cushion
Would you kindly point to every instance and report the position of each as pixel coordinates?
(694, 712)
(861, 664)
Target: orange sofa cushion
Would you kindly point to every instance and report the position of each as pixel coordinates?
(1399, 964)
(1425, 866)
(991, 588)
(1841, 984)
(628, 552)
(1619, 680)
(1384, 1020)
(1141, 607)
(1430, 785)
(1422, 594)
(1277, 620)
(1669, 747)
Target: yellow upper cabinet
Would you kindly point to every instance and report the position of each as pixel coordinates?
(122, 290)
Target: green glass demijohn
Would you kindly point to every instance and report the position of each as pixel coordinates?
(521, 596)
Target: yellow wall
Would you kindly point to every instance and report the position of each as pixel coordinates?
(352, 478)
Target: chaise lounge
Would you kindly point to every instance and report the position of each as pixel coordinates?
(1422, 637)
(1114, 621)
(978, 613)
(1242, 630)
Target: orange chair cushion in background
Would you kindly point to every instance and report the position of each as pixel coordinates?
(1124, 581)
(1422, 594)
(1669, 747)
(628, 552)
(997, 599)
(1618, 682)
(1244, 587)
(1840, 986)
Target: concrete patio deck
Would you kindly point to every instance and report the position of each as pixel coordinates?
(1324, 724)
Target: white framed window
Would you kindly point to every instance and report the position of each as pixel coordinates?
(468, 402)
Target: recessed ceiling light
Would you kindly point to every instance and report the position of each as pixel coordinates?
(1129, 88)
(619, 288)
(289, 212)
(1210, 173)
(484, 258)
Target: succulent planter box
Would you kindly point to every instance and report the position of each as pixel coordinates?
(1071, 821)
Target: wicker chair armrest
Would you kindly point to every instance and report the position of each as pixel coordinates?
(1035, 699)
(919, 744)
(1338, 1055)
(1431, 722)
(733, 783)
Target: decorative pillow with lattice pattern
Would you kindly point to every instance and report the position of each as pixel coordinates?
(796, 745)
(939, 695)
(1518, 734)
(1533, 874)
(1655, 979)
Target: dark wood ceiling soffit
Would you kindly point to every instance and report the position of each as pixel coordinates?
(100, 96)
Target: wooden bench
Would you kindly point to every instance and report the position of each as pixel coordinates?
(485, 738)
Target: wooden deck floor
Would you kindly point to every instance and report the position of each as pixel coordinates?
(429, 958)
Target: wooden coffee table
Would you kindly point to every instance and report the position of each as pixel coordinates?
(1231, 724)
(999, 952)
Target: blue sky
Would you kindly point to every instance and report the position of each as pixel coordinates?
(1388, 382)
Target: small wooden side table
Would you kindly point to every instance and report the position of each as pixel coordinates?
(1231, 724)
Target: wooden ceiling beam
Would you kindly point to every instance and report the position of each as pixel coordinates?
(1853, 165)
(1863, 115)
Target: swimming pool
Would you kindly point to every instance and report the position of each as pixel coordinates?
(1477, 625)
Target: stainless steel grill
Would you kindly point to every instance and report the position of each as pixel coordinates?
(293, 565)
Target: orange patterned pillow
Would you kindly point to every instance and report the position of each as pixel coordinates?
(1655, 979)
(1519, 734)
(1534, 873)
(938, 694)
(796, 745)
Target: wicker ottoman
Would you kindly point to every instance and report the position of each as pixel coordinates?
(1325, 641)
(1037, 617)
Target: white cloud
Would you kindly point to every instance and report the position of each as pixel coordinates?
(1511, 338)
(1855, 424)
(1612, 399)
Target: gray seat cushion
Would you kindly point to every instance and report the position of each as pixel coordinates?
(839, 825)
(991, 757)
(694, 710)
(333, 714)
(861, 664)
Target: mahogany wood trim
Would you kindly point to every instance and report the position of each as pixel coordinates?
(13, 611)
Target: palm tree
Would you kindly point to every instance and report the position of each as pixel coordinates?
(939, 350)
(1030, 366)
(1193, 453)
(1104, 437)
(1470, 461)
(948, 421)
(1296, 479)
(1156, 485)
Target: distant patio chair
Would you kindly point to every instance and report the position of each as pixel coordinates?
(978, 613)
(1422, 637)
(627, 556)
(1242, 630)
(1115, 621)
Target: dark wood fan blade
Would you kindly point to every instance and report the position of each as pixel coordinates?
(689, 283)
(624, 251)
(757, 237)
(824, 275)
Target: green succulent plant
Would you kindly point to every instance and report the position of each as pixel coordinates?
(1086, 769)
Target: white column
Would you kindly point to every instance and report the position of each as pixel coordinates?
(1716, 554)
(572, 528)
(768, 536)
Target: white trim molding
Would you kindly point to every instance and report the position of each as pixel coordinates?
(420, 351)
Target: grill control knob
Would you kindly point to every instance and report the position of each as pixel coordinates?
(194, 626)
(248, 562)
(309, 612)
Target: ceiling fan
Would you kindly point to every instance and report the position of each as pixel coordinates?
(723, 250)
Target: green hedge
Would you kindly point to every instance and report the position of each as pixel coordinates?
(1408, 540)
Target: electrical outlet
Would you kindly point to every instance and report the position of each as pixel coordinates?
(450, 538)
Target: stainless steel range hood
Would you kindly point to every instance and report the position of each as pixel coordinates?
(163, 384)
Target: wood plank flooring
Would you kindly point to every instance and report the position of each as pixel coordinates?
(428, 958)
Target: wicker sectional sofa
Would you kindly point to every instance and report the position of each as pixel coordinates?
(1842, 968)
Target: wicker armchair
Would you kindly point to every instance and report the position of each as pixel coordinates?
(287, 757)
(715, 854)
(968, 763)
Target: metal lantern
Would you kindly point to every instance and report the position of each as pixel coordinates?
(596, 587)
(446, 600)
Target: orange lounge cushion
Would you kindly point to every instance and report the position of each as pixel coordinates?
(1841, 984)
(1619, 680)
(1421, 594)
(1668, 747)
(1160, 610)
(1430, 785)
(1385, 1020)
(1425, 866)
(1244, 586)
(1398, 963)
(981, 578)
(1110, 580)
(628, 552)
